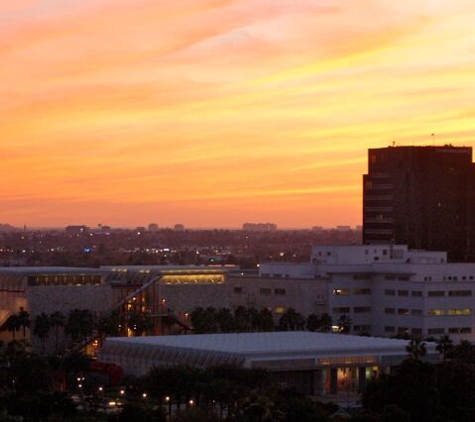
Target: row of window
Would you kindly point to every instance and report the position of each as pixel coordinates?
(327, 253)
(263, 291)
(356, 291)
(430, 312)
(362, 328)
(429, 278)
(403, 311)
(394, 277)
(452, 278)
(64, 280)
(450, 312)
(430, 293)
(430, 331)
(356, 310)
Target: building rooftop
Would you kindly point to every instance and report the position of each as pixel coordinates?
(290, 350)
(49, 270)
(272, 342)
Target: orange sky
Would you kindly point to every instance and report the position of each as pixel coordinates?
(216, 112)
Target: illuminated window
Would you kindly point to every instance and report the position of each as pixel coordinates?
(436, 312)
(279, 310)
(341, 292)
(192, 279)
(463, 311)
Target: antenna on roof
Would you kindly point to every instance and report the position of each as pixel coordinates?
(433, 138)
(394, 143)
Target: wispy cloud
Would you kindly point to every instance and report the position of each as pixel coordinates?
(239, 109)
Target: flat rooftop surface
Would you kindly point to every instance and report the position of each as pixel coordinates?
(50, 270)
(272, 342)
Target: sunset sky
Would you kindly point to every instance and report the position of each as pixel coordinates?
(213, 113)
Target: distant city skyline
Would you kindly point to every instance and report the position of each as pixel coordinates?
(171, 226)
(215, 112)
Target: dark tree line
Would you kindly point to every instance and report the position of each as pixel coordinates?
(419, 391)
(223, 320)
(227, 393)
(77, 326)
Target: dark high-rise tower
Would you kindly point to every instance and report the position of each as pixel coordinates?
(422, 197)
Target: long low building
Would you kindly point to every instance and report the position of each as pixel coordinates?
(314, 363)
(129, 290)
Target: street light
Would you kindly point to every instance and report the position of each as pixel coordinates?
(169, 402)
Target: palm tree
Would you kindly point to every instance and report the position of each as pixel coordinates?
(344, 324)
(110, 325)
(24, 321)
(445, 346)
(12, 324)
(326, 322)
(313, 322)
(80, 324)
(291, 320)
(242, 319)
(265, 320)
(41, 328)
(416, 349)
(253, 319)
(56, 320)
(225, 320)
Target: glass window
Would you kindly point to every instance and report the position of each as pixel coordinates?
(459, 293)
(435, 331)
(362, 309)
(341, 292)
(362, 291)
(463, 311)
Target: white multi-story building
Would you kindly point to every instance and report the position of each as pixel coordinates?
(387, 290)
